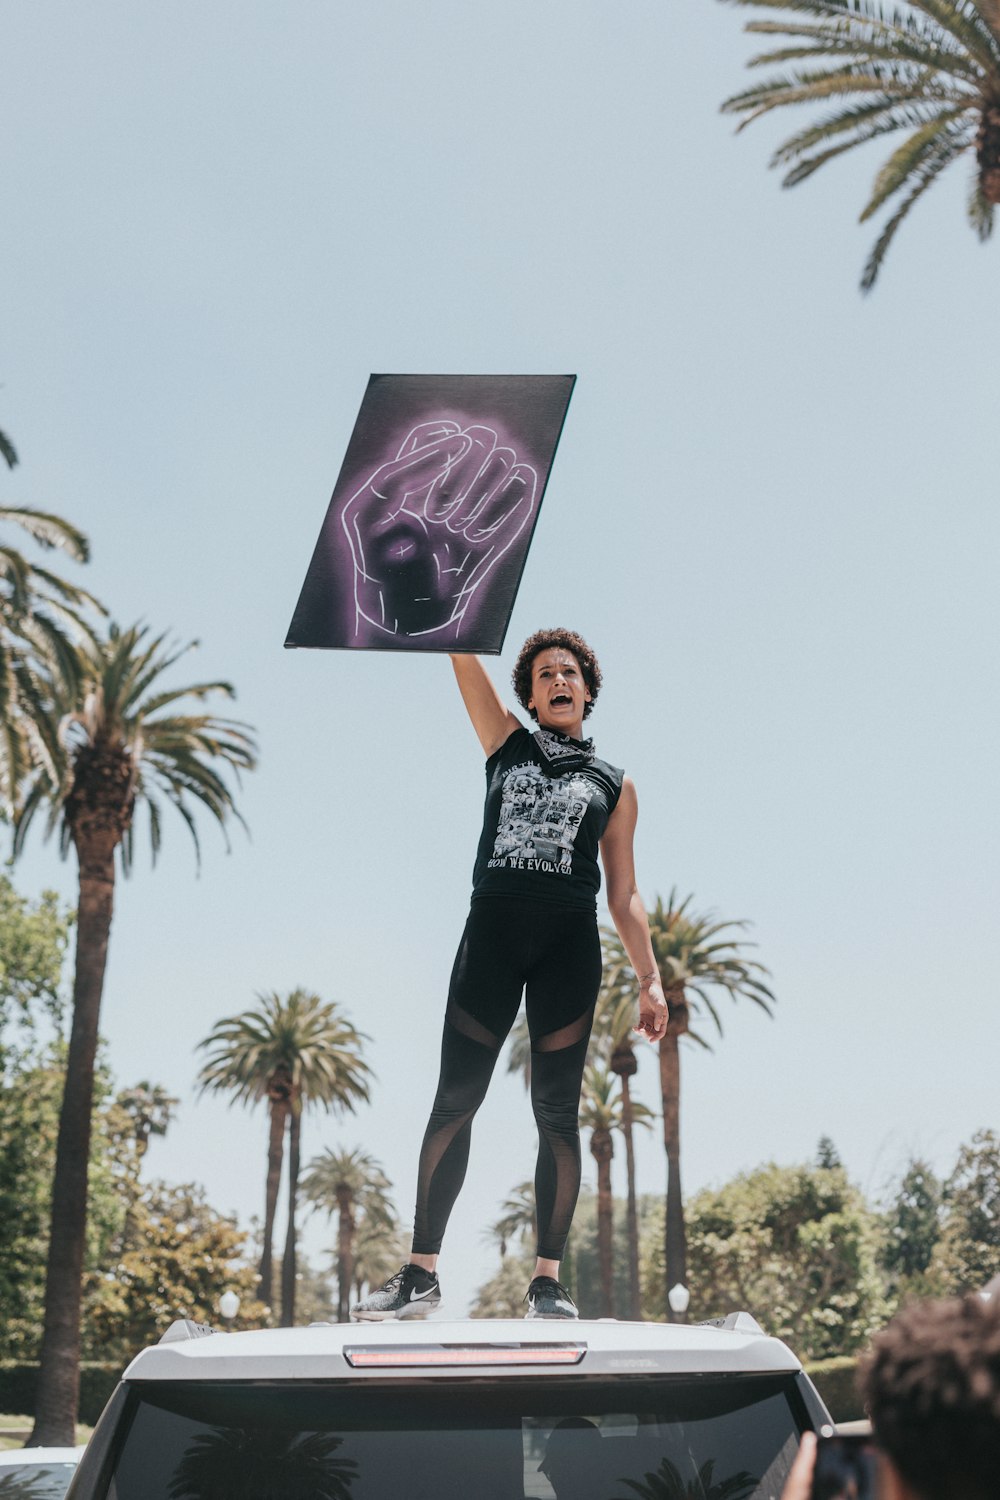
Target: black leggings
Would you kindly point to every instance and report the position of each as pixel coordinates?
(553, 953)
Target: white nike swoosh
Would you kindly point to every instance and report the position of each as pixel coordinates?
(416, 1296)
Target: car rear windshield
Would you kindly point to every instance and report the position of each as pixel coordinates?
(35, 1481)
(703, 1438)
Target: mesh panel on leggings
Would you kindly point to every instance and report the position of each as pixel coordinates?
(470, 1027)
(566, 1036)
(556, 1075)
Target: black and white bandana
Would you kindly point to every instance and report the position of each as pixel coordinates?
(561, 753)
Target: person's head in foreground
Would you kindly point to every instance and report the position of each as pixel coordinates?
(932, 1388)
(931, 1384)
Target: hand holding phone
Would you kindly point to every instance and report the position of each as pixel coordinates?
(846, 1468)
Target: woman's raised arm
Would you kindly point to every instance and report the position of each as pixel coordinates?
(491, 718)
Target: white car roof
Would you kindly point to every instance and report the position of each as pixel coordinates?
(11, 1457)
(346, 1350)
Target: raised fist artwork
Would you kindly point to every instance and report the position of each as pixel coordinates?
(425, 537)
(426, 528)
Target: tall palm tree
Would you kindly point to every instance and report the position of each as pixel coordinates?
(600, 1113)
(380, 1247)
(341, 1182)
(696, 962)
(42, 617)
(614, 1020)
(930, 68)
(121, 741)
(517, 1217)
(293, 1052)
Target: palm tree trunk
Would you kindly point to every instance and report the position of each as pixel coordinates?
(288, 1259)
(59, 1372)
(988, 144)
(602, 1149)
(275, 1151)
(345, 1252)
(631, 1210)
(675, 1236)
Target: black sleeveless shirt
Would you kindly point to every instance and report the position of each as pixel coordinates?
(548, 801)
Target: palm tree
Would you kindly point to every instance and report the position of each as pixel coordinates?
(517, 1217)
(293, 1052)
(229, 1463)
(667, 1483)
(695, 962)
(380, 1247)
(150, 1110)
(42, 617)
(117, 742)
(600, 1113)
(930, 68)
(341, 1182)
(614, 1020)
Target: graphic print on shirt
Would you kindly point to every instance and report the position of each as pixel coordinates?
(539, 819)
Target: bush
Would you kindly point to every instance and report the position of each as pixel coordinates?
(18, 1383)
(837, 1382)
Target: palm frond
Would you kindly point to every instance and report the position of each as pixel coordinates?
(48, 530)
(925, 177)
(7, 450)
(980, 210)
(929, 141)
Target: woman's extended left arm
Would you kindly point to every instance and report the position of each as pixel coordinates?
(629, 914)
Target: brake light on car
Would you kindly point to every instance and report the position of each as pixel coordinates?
(406, 1357)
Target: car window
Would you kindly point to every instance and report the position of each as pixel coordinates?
(726, 1438)
(32, 1481)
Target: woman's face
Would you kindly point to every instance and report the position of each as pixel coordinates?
(558, 691)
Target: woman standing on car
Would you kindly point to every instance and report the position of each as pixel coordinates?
(551, 803)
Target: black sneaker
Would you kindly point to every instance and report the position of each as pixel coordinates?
(548, 1298)
(411, 1293)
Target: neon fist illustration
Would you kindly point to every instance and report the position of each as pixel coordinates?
(427, 531)
(428, 526)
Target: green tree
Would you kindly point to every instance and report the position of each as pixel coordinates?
(797, 1247)
(502, 1296)
(582, 1262)
(176, 1258)
(929, 69)
(600, 1113)
(121, 742)
(34, 936)
(698, 960)
(293, 1052)
(912, 1229)
(827, 1155)
(349, 1184)
(967, 1254)
(614, 1023)
(30, 1093)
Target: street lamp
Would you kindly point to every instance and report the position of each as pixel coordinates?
(229, 1305)
(679, 1297)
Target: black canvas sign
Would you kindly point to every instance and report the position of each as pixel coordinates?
(427, 532)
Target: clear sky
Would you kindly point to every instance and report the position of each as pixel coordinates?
(774, 513)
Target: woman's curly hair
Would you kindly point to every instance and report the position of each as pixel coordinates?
(932, 1387)
(545, 640)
